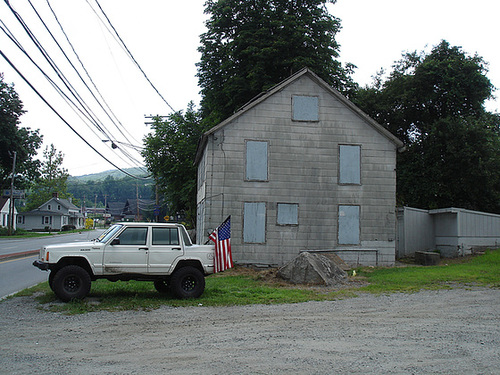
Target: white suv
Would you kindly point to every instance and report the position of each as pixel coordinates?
(158, 252)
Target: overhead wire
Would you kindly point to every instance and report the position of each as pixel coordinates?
(56, 87)
(132, 57)
(91, 80)
(64, 120)
(56, 69)
(90, 115)
(61, 92)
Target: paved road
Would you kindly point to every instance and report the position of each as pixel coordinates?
(16, 245)
(18, 273)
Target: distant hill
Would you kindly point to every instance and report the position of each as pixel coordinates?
(115, 173)
(99, 189)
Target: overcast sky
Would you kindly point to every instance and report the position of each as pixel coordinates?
(163, 36)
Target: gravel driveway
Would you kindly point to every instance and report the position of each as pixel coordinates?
(440, 332)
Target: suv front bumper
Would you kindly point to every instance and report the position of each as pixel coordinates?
(42, 265)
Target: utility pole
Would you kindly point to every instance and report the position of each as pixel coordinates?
(105, 207)
(95, 207)
(138, 215)
(157, 202)
(11, 208)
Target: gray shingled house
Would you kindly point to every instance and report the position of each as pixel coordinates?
(300, 168)
(55, 214)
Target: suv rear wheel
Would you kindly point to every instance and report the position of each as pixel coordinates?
(187, 282)
(71, 282)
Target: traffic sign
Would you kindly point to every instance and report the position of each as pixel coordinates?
(18, 194)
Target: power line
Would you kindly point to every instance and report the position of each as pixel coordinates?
(89, 77)
(131, 56)
(90, 115)
(58, 71)
(80, 105)
(63, 120)
(68, 100)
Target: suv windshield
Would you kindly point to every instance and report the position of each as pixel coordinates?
(109, 233)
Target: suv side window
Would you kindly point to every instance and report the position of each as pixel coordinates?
(165, 236)
(134, 236)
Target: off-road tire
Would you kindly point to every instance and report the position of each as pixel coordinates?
(71, 282)
(187, 282)
(162, 286)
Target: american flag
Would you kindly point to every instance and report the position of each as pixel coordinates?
(222, 239)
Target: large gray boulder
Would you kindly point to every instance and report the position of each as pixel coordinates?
(314, 268)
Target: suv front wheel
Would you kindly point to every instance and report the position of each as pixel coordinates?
(71, 282)
(187, 282)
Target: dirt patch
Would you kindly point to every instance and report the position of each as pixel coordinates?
(446, 331)
(270, 277)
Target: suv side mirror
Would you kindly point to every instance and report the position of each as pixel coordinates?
(116, 241)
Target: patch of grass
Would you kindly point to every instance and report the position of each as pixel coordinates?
(137, 295)
(20, 233)
(480, 270)
(243, 286)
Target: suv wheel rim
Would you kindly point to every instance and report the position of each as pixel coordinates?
(188, 283)
(71, 284)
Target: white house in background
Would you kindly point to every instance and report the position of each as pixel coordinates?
(5, 213)
(300, 168)
(55, 214)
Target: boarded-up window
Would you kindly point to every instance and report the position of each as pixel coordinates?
(350, 164)
(256, 161)
(288, 214)
(254, 222)
(305, 108)
(348, 225)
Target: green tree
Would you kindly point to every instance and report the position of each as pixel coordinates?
(53, 179)
(435, 103)
(252, 45)
(109, 189)
(13, 138)
(169, 155)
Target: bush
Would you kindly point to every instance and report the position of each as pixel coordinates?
(17, 232)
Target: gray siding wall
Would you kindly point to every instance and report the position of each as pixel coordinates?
(34, 222)
(452, 231)
(415, 231)
(303, 165)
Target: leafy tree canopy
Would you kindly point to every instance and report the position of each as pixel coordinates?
(109, 189)
(425, 87)
(435, 103)
(169, 155)
(252, 45)
(53, 179)
(13, 138)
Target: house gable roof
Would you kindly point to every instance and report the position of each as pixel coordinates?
(3, 201)
(63, 202)
(39, 212)
(280, 86)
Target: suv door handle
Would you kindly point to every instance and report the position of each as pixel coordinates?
(176, 248)
(143, 248)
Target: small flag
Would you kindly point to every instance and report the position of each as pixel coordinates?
(221, 236)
